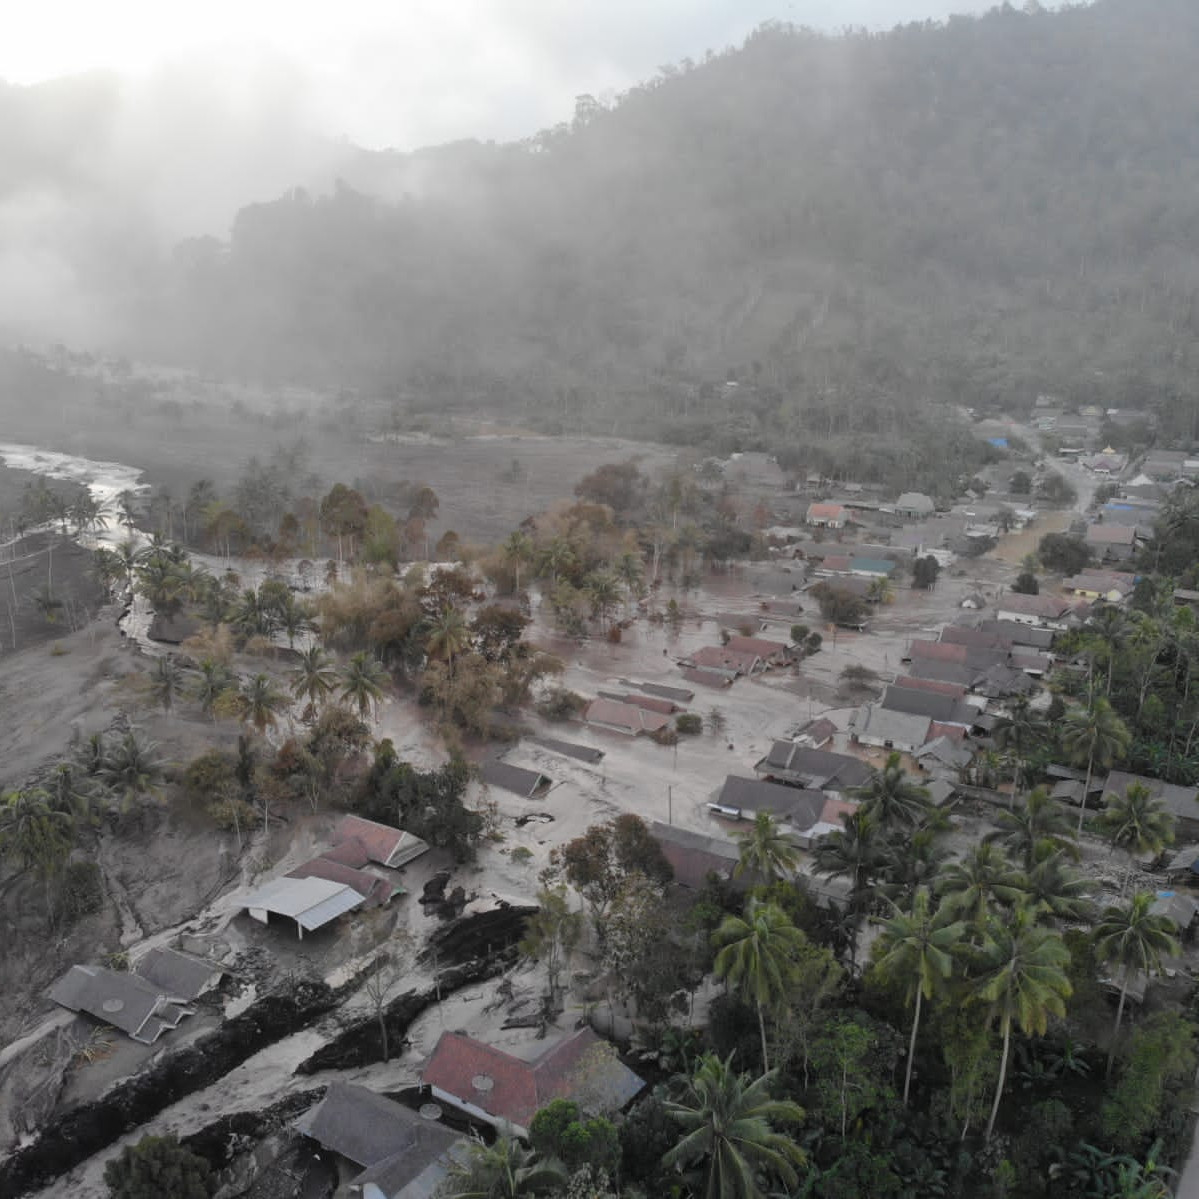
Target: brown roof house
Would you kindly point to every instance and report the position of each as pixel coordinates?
(383, 844)
(694, 856)
(629, 719)
(1044, 611)
(507, 1092)
(827, 516)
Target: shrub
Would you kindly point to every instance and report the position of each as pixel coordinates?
(157, 1167)
(81, 891)
(690, 724)
(561, 704)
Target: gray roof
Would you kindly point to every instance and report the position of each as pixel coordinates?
(134, 1005)
(518, 780)
(178, 974)
(942, 672)
(915, 501)
(370, 1129)
(820, 769)
(1181, 802)
(951, 753)
(1020, 634)
(946, 709)
(796, 805)
(310, 902)
(678, 694)
(892, 728)
(569, 749)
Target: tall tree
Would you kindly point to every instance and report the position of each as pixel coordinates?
(1134, 940)
(314, 677)
(756, 955)
(448, 636)
(34, 832)
(1039, 820)
(856, 852)
(893, 799)
(979, 885)
(729, 1136)
(1097, 736)
(362, 681)
(918, 947)
(1019, 732)
(1137, 823)
(1023, 982)
(260, 703)
(765, 851)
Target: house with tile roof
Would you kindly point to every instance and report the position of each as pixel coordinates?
(143, 1010)
(816, 769)
(505, 1091)
(883, 728)
(382, 844)
(695, 856)
(629, 719)
(827, 516)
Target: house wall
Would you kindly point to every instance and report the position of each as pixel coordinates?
(477, 1113)
(878, 743)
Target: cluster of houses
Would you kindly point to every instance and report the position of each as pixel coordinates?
(162, 986)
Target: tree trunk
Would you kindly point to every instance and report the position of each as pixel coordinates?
(1127, 875)
(907, 1080)
(762, 1030)
(383, 1032)
(1082, 807)
(1007, 1044)
(1111, 1053)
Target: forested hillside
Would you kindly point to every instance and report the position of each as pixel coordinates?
(973, 212)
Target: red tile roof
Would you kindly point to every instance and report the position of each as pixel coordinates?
(720, 657)
(371, 887)
(825, 511)
(350, 852)
(629, 718)
(756, 645)
(663, 707)
(939, 651)
(383, 844)
(954, 689)
(951, 732)
(513, 1089)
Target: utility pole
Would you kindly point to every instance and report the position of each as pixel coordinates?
(669, 803)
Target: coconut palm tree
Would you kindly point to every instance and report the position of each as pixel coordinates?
(857, 853)
(71, 790)
(166, 682)
(255, 615)
(260, 703)
(517, 551)
(1097, 736)
(1053, 888)
(505, 1170)
(766, 852)
(729, 1137)
(1019, 733)
(34, 832)
(1023, 982)
(1039, 820)
(362, 681)
(910, 863)
(918, 948)
(892, 798)
(292, 618)
(131, 767)
(1111, 626)
(1134, 940)
(1137, 823)
(630, 570)
(314, 678)
(756, 954)
(448, 636)
(213, 679)
(982, 882)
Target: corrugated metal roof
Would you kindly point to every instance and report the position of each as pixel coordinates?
(310, 902)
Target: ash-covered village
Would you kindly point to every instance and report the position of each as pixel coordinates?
(333, 853)
(573, 628)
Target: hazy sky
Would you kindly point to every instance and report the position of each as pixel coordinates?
(407, 72)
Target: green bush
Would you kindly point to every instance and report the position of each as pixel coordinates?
(691, 724)
(158, 1168)
(81, 891)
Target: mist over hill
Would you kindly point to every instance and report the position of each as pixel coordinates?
(975, 211)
